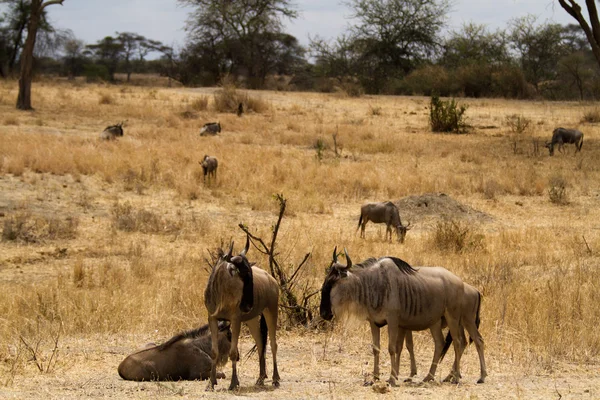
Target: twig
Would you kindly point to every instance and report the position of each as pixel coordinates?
(586, 245)
(33, 353)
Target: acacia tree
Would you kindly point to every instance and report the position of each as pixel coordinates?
(234, 34)
(36, 12)
(591, 28)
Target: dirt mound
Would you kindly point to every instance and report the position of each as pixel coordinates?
(434, 206)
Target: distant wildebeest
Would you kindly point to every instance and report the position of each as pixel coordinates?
(111, 132)
(239, 292)
(388, 291)
(240, 109)
(210, 129)
(470, 320)
(209, 167)
(561, 136)
(186, 356)
(383, 213)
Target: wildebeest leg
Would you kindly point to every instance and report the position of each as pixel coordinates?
(270, 316)
(375, 334)
(476, 337)
(393, 335)
(214, 354)
(234, 355)
(388, 230)
(438, 339)
(254, 327)
(411, 353)
(399, 344)
(362, 228)
(459, 343)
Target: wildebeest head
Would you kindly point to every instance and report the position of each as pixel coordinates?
(401, 231)
(228, 274)
(112, 131)
(335, 273)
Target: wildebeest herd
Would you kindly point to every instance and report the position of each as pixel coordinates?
(384, 291)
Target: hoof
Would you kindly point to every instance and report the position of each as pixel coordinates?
(276, 384)
(220, 375)
(481, 380)
(392, 382)
(428, 378)
(408, 380)
(260, 382)
(210, 387)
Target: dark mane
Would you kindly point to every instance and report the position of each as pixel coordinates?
(402, 265)
(190, 334)
(369, 262)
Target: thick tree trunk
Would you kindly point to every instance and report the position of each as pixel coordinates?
(592, 33)
(24, 99)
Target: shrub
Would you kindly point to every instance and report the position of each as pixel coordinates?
(558, 190)
(518, 124)
(591, 116)
(28, 228)
(228, 99)
(456, 236)
(447, 116)
(125, 218)
(200, 103)
(427, 80)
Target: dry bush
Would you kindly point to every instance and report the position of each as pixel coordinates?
(28, 228)
(106, 98)
(200, 103)
(557, 190)
(126, 218)
(11, 120)
(228, 99)
(456, 236)
(591, 116)
(375, 110)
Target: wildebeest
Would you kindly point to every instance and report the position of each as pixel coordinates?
(210, 129)
(209, 167)
(388, 291)
(186, 356)
(383, 213)
(111, 132)
(239, 292)
(561, 136)
(240, 109)
(470, 320)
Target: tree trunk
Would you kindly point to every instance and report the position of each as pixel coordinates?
(592, 33)
(24, 99)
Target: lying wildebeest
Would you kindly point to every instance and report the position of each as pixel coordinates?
(388, 291)
(470, 320)
(383, 213)
(239, 292)
(561, 136)
(209, 167)
(111, 132)
(186, 356)
(210, 129)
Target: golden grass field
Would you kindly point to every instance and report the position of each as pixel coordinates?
(104, 243)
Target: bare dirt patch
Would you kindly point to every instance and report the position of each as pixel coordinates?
(431, 207)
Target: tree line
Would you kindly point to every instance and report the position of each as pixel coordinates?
(391, 47)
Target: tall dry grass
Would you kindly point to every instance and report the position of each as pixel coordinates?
(135, 259)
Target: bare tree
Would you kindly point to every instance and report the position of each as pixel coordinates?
(592, 32)
(37, 8)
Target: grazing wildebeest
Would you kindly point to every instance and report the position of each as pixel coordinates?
(209, 167)
(210, 129)
(111, 132)
(388, 291)
(470, 320)
(239, 292)
(383, 213)
(186, 356)
(561, 136)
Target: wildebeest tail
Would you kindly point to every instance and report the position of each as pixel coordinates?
(446, 345)
(359, 221)
(264, 333)
(581, 142)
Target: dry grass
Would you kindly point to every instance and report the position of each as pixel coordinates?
(142, 221)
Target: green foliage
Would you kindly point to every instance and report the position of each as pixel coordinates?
(95, 73)
(447, 116)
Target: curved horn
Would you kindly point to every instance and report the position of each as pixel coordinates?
(229, 252)
(243, 253)
(334, 257)
(348, 260)
(407, 227)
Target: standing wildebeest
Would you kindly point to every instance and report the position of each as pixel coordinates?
(388, 291)
(209, 167)
(239, 292)
(111, 132)
(470, 320)
(561, 136)
(186, 356)
(383, 213)
(210, 128)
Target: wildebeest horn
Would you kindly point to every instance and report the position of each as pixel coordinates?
(243, 253)
(229, 252)
(407, 227)
(334, 257)
(348, 260)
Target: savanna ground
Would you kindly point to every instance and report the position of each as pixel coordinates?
(104, 243)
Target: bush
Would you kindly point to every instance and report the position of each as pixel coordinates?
(558, 190)
(447, 116)
(455, 236)
(125, 218)
(25, 227)
(518, 124)
(95, 73)
(427, 80)
(229, 98)
(591, 116)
